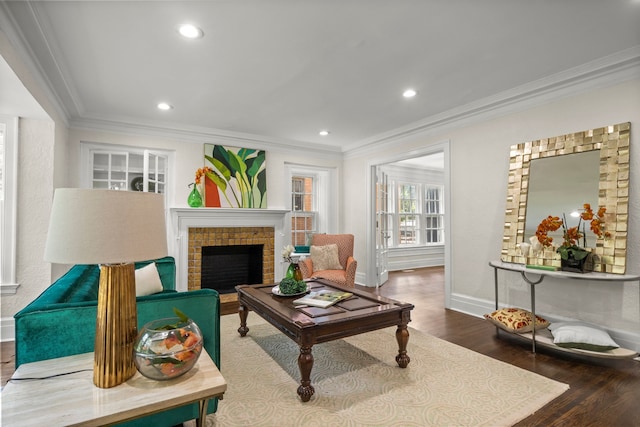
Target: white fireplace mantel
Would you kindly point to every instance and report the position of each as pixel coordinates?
(184, 218)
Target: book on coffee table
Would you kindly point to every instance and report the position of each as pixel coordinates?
(322, 298)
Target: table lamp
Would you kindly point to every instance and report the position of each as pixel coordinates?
(113, 229)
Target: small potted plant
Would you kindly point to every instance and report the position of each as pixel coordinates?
(573, 257)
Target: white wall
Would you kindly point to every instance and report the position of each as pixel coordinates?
(34, 203)
(42, 166)
(478, 166)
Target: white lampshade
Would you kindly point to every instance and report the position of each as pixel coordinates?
(105, 227)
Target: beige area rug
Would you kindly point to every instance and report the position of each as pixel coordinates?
(358, 383)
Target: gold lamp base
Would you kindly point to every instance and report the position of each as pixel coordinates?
(116, 326)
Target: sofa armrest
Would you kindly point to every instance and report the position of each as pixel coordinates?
(66, 329)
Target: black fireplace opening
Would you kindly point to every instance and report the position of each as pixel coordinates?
(225, 267)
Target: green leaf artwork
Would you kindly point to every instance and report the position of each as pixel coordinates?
(239, 175)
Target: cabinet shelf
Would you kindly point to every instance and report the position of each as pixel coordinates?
(543, 337)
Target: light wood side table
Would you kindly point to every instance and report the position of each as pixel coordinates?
(73, 400)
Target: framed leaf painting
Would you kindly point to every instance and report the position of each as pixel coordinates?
(236, 178)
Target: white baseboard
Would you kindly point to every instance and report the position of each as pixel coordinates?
(479, 307)
(7, 330)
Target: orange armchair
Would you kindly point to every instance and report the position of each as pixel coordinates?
(346, 274)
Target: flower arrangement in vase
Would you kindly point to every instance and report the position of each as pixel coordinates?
(573, 257)
(293, 271)
(195, 197)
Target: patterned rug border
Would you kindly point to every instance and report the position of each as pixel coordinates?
(358, 382)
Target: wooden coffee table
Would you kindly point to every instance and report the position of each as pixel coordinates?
(364, 312)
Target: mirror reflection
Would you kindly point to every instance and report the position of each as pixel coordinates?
(562, 185)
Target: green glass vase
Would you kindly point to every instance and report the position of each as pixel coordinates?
(293, 272)
(195, 199)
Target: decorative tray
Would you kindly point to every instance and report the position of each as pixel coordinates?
(276, 291)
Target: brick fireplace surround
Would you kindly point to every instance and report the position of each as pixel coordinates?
(200, 237)
(193, 228)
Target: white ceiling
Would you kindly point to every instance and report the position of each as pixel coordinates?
(282, 70)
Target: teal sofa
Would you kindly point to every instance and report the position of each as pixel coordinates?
(62, 322)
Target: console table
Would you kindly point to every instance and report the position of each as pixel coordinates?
(539, 277)
(73, 399)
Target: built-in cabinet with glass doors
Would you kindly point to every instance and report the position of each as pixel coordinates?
(128, 169)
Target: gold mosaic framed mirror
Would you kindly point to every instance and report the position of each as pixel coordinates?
(612, 192)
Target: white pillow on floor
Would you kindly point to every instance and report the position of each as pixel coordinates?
(581, 335)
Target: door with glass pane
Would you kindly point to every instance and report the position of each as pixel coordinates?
(155, 178)
(382, 226)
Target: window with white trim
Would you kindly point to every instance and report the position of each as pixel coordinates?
(312, 201)
(418, 216)
(433, 214)
(303, 213)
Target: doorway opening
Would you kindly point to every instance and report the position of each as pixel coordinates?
(409, 215)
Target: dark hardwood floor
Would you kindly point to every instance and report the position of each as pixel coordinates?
(603, 392)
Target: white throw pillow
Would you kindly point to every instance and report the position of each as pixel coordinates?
(148, 280)
(325, 257)
(581, 335)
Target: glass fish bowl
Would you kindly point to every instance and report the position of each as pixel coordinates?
(167, 348)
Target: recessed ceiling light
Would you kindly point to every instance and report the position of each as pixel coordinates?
(190, 31)
(323, 133)
(164, 106)
(409, 93)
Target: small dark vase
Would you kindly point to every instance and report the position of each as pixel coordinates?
(576, 263)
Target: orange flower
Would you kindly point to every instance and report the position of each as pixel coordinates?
(550, 223)
(587, 215)
(572, 235)
(202, 172)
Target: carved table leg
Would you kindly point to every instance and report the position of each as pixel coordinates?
(402, 336)
(243, 311)
(305, 363)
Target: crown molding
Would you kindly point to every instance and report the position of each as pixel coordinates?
(23, 52)
(607, 71)
(200, 135)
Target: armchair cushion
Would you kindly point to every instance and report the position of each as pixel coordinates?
(345, 271)
(325, 257)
